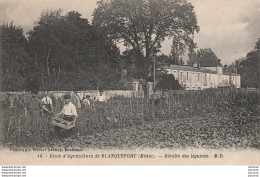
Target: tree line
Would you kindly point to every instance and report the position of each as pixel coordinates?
(61, 52)
(67, 52)
(248, 67)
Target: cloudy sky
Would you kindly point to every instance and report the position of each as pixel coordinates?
(229, 27)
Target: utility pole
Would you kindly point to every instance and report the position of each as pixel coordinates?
(153, 72)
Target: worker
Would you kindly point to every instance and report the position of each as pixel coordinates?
(165, 98)
(33, 108)
(156, 97)
(86, 100)
(101, 97)
(47, 103)
(75, 99)
(68, 113)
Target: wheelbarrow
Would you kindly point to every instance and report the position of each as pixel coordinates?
(60, 122)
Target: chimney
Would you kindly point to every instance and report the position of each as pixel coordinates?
(198, 65)
(195, 65)
(225, 69)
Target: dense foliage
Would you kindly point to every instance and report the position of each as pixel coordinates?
(204, 57)
(144, 24)
(168, 82)
(61, 53)
(66, 52)
(70, 52)
(249, 68)
(15, 59)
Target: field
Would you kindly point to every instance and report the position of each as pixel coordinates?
(214, 119)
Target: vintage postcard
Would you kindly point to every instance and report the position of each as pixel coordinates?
(130, 82)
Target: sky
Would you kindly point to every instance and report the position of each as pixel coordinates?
(229, 27)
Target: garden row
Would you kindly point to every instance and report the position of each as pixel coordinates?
(120, 113)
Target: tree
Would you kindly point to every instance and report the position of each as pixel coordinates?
(163, 59)
(177, 51)
(144, 24)
(168, 82)
(204, 57)
(15, 59)
(249, 68)
(191, 56)
(234, 67)
(66, 46)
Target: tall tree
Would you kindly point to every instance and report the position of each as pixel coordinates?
(64, 44)
(191, 56)
(204, 57)
(234, 67)
(144, 24)
(177, 51)
(249, 68)
(15, 60)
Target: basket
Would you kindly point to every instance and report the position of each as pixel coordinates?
(59, 122)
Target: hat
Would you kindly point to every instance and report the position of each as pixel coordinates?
(67, 96)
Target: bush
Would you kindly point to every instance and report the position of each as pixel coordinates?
(168, 82)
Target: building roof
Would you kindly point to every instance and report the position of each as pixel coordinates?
(211, 64)
(209, 71)
(229, 73)
(189, 68)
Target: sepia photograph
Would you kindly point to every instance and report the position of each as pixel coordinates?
(138, 81)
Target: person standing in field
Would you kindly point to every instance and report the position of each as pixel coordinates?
(99, 103)
(144, 87)
(86, 100)
(33, 108)
(47, 112)
(47, 104)
(75, 99)
(101, 97)
(165, 98)
(86, 104)
(156, 97)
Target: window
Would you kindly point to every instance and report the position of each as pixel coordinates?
(181, 76)
(187, 76)
(198, 77)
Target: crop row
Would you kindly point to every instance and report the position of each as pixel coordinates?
(121, 113)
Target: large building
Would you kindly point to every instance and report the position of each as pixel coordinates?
(199, 78)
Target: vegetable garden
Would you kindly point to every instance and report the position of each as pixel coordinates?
(226, 118)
